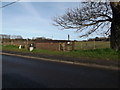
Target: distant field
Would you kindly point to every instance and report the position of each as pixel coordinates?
(91, 45)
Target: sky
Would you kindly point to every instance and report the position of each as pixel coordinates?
(34, 19)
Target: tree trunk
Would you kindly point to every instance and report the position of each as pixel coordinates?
(115, 26)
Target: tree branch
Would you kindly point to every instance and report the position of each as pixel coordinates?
(92, 15)
(9, 4)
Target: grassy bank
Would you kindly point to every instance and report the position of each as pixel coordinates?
(103, 54)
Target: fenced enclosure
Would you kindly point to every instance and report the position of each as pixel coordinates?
(60, 45)
(91, 45)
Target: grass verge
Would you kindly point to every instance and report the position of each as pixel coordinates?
(103, 54)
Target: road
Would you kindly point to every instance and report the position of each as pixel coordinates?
(18, 72)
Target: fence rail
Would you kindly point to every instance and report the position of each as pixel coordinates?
(92, 45)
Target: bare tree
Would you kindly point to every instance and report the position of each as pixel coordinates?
(93, 17)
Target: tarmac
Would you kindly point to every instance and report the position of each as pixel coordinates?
(105, 64)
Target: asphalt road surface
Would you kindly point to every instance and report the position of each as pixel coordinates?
(20, 72)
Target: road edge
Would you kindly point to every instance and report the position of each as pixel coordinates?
(66, 62)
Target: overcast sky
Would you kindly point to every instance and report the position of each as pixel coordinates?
(34, 19)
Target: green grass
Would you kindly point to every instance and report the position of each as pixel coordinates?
(106, 54)
(13, 48)
(0, 48)
(103, 54)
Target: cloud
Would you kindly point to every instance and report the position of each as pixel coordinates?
(30, 9)
(27, 18)
(54, 0)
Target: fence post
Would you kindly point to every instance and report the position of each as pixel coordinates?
(73, 45)
(59, 46)
(81, 45)
(94, 44)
